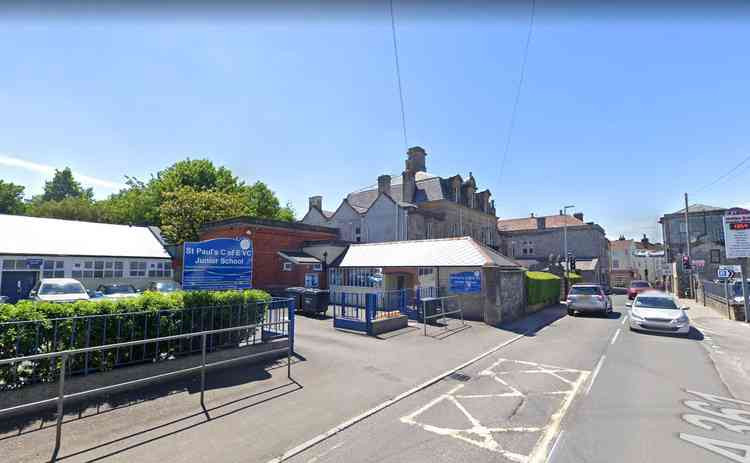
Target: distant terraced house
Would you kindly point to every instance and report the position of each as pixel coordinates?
(412, 206)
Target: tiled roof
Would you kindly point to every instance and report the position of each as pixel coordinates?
(622, 245)
(530, 223)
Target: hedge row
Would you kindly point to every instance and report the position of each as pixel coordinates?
(542, 287)
(147, 316)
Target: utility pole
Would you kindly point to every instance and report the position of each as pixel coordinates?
(565, 245)
(691, 293)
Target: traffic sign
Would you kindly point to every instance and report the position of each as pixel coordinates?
(725, 273)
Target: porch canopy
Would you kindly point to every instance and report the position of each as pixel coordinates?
(445, 252)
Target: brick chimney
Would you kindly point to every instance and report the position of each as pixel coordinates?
(541, 223)
(415, 159)
(315, 202)
(384, 184)
(408, 186)
(579, 216)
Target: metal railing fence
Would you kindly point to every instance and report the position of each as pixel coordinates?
(279, 327)
(440, 308)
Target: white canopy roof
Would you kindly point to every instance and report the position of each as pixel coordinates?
(21, 235)
(447, 252)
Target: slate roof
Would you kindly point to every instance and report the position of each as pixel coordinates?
(429, 188)
(699, 208)
(530, 223)
(299, 257)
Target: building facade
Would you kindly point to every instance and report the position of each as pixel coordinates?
(415, 205)
(707, 247)
(33, 248)
(538, 241)
(284, 253)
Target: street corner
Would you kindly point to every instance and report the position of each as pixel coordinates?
(512, 408)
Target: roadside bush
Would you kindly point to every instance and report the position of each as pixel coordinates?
(574, 278)
(57, 327)
(542, 287)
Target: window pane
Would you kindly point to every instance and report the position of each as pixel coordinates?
(88, 274)
(59, 264)
(59, 273)
(119, 265)
(108, 264)
(9, 264)
(118, 273)
(77, 274)
(168, 273)
(98, 273)
(88, 264)
(108, 274)
(152, 273)
(47, 274)
(99, 264)
(49, 264)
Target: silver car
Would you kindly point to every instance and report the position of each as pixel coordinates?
(659, 312)
(589, 298)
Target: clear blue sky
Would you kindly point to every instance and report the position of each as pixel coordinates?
(618, 116)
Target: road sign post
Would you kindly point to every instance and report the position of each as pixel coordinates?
(737, 239)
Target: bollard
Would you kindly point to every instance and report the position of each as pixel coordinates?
(203, 369)
(60, 406)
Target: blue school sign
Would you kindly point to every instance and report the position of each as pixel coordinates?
(218, 264)
(466, 282)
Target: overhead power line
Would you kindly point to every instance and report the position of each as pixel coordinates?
(398, 76)
(722, 177)
(514, 111)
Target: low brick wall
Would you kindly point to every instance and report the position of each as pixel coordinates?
(42, 391)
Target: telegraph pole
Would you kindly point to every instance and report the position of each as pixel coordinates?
(687, 240)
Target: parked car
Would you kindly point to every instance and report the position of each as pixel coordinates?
(58, 290)
(659, 312)
(164, 286)
(116, 291)
(588, 298)
(4, 299)
(636, 287)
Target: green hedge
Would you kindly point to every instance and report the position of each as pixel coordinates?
(574, 278)
(542, 287)
(147, 316)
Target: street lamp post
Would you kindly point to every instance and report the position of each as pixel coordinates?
(565, 245)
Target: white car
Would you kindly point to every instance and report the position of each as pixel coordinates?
(658, 312)
(591, 298)
(58, 290)
(116, 291)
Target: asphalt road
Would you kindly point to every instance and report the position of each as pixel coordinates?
(583, 389)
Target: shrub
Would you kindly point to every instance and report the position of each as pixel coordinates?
(150, 315)
(574, 278)
(542, 287)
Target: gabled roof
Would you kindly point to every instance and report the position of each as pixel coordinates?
(446, 252)
(54, 237)
(428, 188)
(530, 223)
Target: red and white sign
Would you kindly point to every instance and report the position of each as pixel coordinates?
(737, 233)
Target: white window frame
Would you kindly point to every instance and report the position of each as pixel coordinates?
(286, 266)
(317, 267)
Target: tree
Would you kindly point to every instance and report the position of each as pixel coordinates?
(135, 205)
(197, 174)
(63, 185)
(185, 211)
(287, 213)
(67, 208)
(262, 202)
(11, 198)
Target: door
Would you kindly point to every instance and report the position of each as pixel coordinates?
(16, 285)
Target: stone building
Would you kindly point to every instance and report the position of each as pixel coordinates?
(537, 242)
(412, 206)
(707, 247)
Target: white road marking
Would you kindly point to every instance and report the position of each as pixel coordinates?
(720, 447)
(477, 434)
(614, 338)
(596, 372)
(624, 319)
(354, 420)
(554, 446)
(314, 459)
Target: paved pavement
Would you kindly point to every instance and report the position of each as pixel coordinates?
(573, 389)
(583, 389)
(256, 413)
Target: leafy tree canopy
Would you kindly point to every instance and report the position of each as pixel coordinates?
(11, 198)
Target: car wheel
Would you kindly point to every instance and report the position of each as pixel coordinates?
(571, 312)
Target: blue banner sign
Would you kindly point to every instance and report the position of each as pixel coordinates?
(466, 282)
(34, 263)
(218, 264)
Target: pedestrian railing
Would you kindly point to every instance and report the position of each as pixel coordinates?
(434, 308)
(271, 328)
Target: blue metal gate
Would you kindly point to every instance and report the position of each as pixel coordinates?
(353, 311)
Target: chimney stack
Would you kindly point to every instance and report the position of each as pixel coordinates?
(415, 159)
(408, 186)
(316, 202)
(579, 216)
(384, 184)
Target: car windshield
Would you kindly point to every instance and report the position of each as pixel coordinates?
(127, 289)
(585, 290)
(639, 284)
(50, 289)
(655, 303)
(167, 287)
